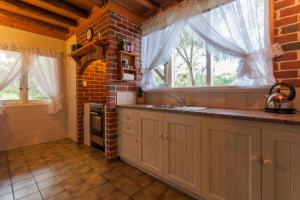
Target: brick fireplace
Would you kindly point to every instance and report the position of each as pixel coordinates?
(102, 78)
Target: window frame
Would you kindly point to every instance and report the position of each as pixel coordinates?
(269, 24)
(23, 93)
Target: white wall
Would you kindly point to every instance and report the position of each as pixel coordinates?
(26, 125)
(31, 39)
(70, 78)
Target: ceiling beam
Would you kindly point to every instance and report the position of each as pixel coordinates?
(28, 10)
(98, 3)
(60, 7)
(148, 4)
(32, 25)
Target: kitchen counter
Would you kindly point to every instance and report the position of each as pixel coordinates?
(250, 115)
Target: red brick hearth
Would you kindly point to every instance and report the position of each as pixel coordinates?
(103, 78)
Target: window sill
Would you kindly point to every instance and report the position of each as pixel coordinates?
(20, 104)
(211, 89)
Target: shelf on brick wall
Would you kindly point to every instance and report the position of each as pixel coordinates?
(132, 61)
(88, 48)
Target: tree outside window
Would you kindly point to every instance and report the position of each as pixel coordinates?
(192, 65)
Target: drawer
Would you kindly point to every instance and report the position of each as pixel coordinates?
(128, 116)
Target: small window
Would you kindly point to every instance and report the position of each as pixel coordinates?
(23, 89)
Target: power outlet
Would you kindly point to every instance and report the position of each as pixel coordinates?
(84, 83)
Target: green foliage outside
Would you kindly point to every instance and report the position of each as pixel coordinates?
(191, 60)
(34, 93)
(11, 92)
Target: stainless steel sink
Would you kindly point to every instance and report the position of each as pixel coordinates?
(162, 106)
(180, 108)
(190, 108)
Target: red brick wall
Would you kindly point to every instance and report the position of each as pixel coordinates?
(119, 27)
(287, 32)
(112, 27)
(95, 91)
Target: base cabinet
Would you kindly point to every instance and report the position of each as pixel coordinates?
(231, 167)
(216, 159)
(150, 137)
(182, 152)
(281, 165)
(128, 138)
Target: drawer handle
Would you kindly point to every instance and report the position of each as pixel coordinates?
(166, 137)
(136, 140)
(161, 136)
(267, 163)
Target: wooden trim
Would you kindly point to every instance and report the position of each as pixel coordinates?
(271, 20)
(124, 12)
(148, 4)
(28, 10)
(60, 7)
(31, 25)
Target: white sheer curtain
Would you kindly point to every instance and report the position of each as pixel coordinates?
(232, 28)
(44, 66)
(236, 28)
(10, 66)
(156, 48)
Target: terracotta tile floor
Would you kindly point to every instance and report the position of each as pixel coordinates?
(64, 170)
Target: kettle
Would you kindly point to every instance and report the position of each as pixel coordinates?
(279, 102)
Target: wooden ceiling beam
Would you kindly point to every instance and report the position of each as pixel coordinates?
(148, 4)
(28, 10)
(60, 7)
(32, 25)
(98, 3)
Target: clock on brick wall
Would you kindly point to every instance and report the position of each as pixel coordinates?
(89, 34)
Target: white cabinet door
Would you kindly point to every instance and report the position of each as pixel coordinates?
(281, 165)
(182, 151)
(128, 139)
(150, 137)
(231, 167)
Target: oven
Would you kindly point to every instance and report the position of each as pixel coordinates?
(97, 126)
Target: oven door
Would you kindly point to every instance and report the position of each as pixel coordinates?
(96, 121)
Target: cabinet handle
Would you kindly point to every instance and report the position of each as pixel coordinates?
(166, 137)
(136, 140)
(267, 163)
(161, 136)
(128, 127)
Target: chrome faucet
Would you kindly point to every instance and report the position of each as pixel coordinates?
(180, 100)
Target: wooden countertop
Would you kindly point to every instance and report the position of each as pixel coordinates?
(250, 115)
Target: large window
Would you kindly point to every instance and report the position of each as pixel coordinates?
(193, 63)
(22, 89)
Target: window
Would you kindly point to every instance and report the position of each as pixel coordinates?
(193, 63)
(22, 89)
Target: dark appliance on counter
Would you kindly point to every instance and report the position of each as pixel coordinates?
(97, 125)
(278, 101)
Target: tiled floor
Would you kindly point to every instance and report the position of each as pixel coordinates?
(63, 170)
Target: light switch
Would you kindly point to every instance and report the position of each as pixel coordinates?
(84, 83)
